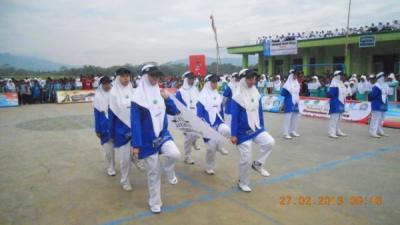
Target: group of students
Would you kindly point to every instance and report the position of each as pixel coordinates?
(134, 123)
(337, 93)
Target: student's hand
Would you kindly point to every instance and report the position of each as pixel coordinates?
(164, 94)
(98, 135)
(135, 152)
(234, 140)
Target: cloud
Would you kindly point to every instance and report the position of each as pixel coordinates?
(106, 32)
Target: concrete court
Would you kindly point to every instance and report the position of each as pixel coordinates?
(53, 172)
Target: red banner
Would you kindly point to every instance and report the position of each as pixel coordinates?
(197, 65)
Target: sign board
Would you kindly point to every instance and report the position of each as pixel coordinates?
(367, 41)
(280, 48)
(8, 99)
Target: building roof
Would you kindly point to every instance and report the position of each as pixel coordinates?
(321, 42)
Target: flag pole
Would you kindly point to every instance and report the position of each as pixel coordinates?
(346, 45)
(216, 41)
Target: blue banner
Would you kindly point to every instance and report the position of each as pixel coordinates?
(8, 99)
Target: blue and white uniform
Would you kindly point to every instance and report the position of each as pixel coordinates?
(337, 93)
(151, 136)
(120, 127)
(188, 95)
(100, 105)
(232, 86)
(290, 91)
(248, 126)
(209, 108)
(379, 105)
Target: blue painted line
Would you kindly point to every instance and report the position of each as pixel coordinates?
(263, 182)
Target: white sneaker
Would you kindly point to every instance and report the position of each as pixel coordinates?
(195, 146)
(155, 209)
(295, 134)
(209, 172)
(244, 187)
(383, 135)
(174, 180)
(138, 164)
(188, 160)
(287, 137)
(260, 169)
(111, 172)
(341, 134)
(333, 136)
(375, 136)
(223, 151)
(126, 187)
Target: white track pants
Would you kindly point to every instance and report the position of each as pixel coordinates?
(265, 141)
(290, 124)
(171, 155)
(213, 146)
(125, 161)
(334, 123)
(188, 144)
(376, 124)
(110, 154)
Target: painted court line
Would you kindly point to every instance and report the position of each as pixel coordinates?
(263, 182)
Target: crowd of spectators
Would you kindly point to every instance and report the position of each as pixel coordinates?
(381, 27)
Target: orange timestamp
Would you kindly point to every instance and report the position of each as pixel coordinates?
(330, 200)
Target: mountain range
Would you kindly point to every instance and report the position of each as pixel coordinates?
(39, 64)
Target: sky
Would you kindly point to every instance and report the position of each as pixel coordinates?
(115, 32)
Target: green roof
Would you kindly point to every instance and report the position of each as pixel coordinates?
(353, 39)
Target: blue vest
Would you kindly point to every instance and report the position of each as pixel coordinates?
(144, 137)
(119, 131)
(101, 126)
(288, 105)
(202, 113)
(240, 127)
(376, 100)
(335, 106)
(228, 95)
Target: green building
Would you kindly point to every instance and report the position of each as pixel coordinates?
(317, 56)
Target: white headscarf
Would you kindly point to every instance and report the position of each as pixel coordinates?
(123, 97)
(249, 98)
(277, 83)
(233, 84)
(149, 97)
(318, 84)
(362, 87)
(293, 86)
(101, 100)
(211, 100)
(190, 94)
(337, 82)
(382, 85)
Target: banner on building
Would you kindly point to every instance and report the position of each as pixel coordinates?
(280, 48)
(189, 123)
(392, 116)
(75, 96)
(197, 65)
(8, 99)
(272, 103)
(366, 41)
(357, 111)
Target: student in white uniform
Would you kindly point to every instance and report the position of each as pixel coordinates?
(209, 108)
(120, 127)
(100, 104)
(290, 91)
(151, 138)
(337, 93)
(247, 127)
(379, 105)
(233, 84)
(188, 95)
